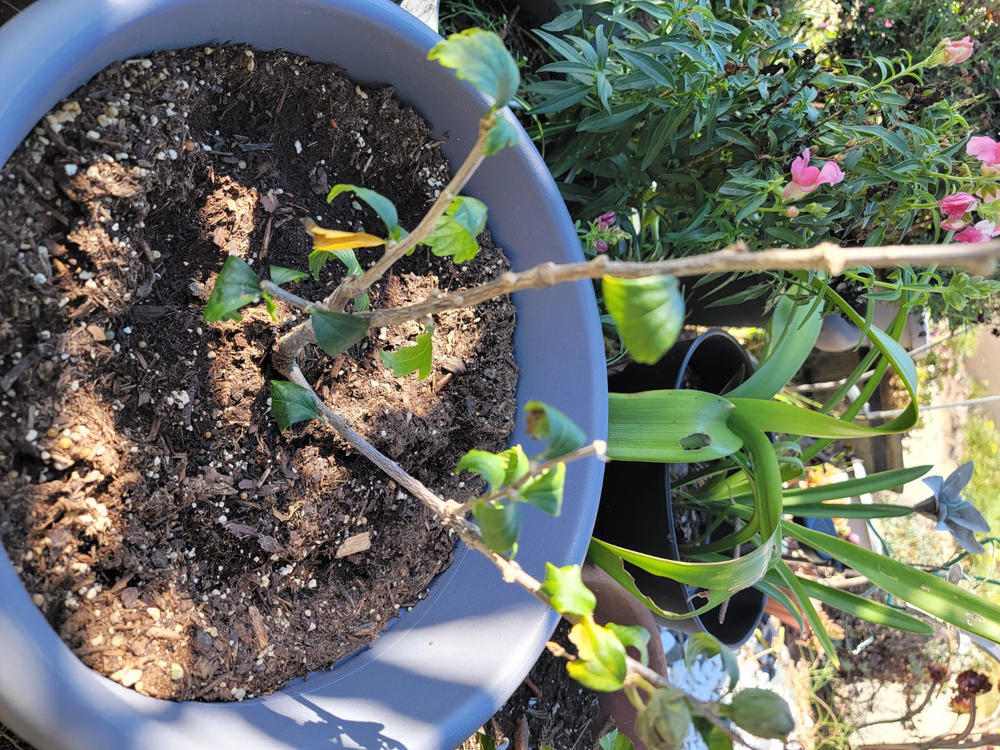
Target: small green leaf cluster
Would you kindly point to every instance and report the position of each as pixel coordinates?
(513, 479)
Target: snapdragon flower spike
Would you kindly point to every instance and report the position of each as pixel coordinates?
(805, 179)
(982, 231)
(955, 209)
(948, 52)
(954, 513)
(985, 149)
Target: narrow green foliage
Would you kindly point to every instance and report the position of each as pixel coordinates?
(489, 466)
(291, 403)
(236, 286)
(456, 231)
(566, 590)
(649, 314)
(708, 645)
(633, 635)
(545, 491)
(337, 332)
(281, 275)
(548, 423)
(866, 609)
(665, 721)
(600, 662)
(379, 204)
(407, 359)
(480, 58)
(499, 523)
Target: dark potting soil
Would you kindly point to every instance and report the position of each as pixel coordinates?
(173, 537)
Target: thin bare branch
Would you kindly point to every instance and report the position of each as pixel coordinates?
(978, 257)
(285, 296)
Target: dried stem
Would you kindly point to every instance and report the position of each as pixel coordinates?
(269, 287)
(979, 257)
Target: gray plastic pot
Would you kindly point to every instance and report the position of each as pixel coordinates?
(441, 669)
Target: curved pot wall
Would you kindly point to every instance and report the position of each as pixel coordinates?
(441, 669)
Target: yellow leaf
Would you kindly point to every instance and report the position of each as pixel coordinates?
(335, 239)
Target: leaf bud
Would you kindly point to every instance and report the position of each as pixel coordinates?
(665, 721)
(762, 713)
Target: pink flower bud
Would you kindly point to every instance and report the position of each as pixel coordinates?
(601, 246)
(605, 220)
(791, 212)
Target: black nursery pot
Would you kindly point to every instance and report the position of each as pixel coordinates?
(636, 508)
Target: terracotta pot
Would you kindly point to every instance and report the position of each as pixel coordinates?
(440, 670)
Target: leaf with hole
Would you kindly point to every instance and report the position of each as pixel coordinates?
(291, 403)
(337, 332)
(236, 286)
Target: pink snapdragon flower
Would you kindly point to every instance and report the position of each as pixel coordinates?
(805, 179)
(983, 231)
(985, 149)
(949, 53)
(954, 208)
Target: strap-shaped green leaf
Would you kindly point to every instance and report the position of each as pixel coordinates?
(455, 233)
(236, 286)
(792, 332)
(794, 583)
(546, 422)
(600, 662)
(708, 645)
(864, 608)
(489, 466)
(291, 403)
(653, 425)
(480, 58)
(407, 359)
(849, 510)
(924, 590)
(499, 524)
(281, 275)
(775, 416)
(337, 332)
(649, 314)
(566, 591)
(545, 491)
(381, 205)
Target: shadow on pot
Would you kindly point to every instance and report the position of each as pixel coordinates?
(637, 506)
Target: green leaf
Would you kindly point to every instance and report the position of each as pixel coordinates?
(709, 645)
(635, 636)
(499, 523)
(337, 332)
(566, 590)
(649, 314)
(794, 583)
(564, 21)
(485, 742)
(545, 491)
(615, 740)
(852, 510)
(407, 359)
(281, 275)
(653, 426)
(866, 609)
(381, 205)
(291, 403)
(775, 416)
(480, 58)
(516, 464)
(792, 332)
(456, 231)
(545, 422)
(923, 590)
(236, 286)
(502, 133)
(489, 466)
(600, 662)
